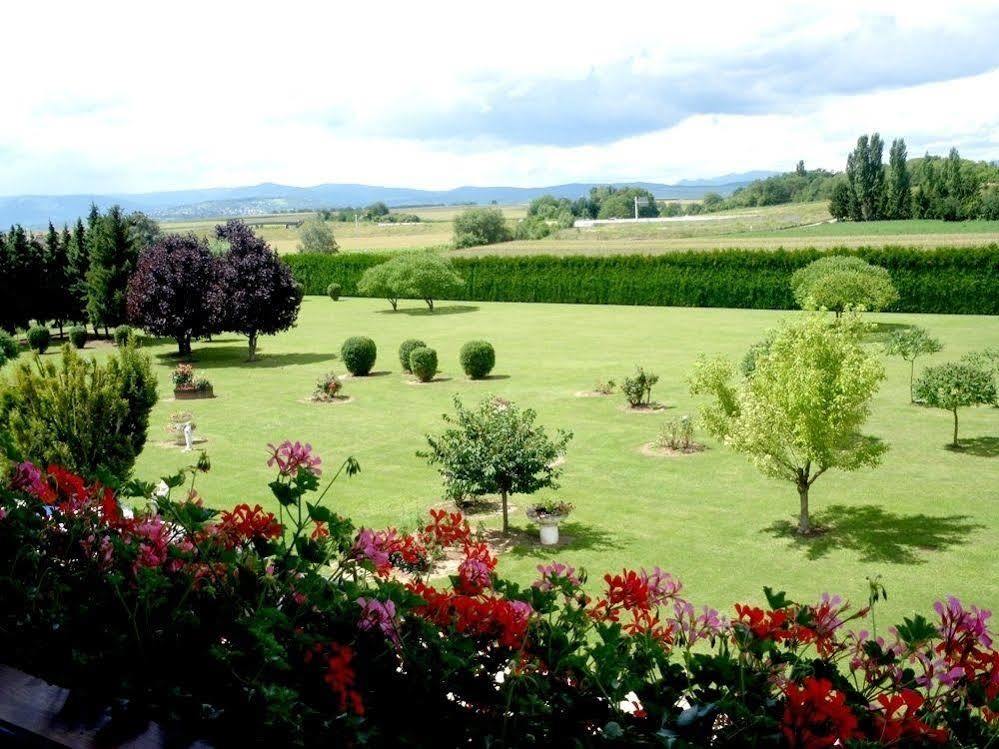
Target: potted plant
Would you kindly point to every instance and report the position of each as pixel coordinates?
(548, 515)
(186, 386)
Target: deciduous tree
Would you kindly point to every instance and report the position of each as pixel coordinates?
(910, 344)
(173, 291)
(800, 413)
(495, 449)
(953, 386)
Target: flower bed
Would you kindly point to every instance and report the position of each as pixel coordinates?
(188, 387)
(298, 628)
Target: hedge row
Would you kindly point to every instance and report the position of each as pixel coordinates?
(955, 280)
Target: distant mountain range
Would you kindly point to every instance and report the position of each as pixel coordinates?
(255, 200)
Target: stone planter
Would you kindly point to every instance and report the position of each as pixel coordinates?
(547, 525)
(186, 394)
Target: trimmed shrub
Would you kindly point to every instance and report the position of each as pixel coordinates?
(78, 336)
(406, 348)
(124, 334)
(358, 354)
(638, 389)
(333, 291)
(423, 363)
(949, 280)
(9, 347)
(477, 359)
(39, 338)
(842, 281)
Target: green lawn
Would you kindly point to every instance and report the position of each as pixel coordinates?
(927, 520)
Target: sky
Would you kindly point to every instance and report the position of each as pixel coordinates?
(133, 97)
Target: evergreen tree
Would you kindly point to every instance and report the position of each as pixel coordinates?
(899, 203)
(55, 286)
(113, 257)
(78, 258)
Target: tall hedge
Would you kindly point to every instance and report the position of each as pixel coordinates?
(955, 280)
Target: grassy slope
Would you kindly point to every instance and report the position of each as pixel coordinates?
(926, 520)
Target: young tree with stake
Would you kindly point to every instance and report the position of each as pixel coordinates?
(910, 344)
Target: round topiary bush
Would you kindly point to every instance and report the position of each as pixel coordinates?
(423, 363)
(78, 336)
(9, 347)
(123, 334)
(39, 338)
(477, 359)
(358, 354)
(406, 348)
(333, 291)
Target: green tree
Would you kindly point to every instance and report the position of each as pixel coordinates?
(377, 281)
(316, 235)
(899, 192)
(800, 413)
(866, 175)
(841, 202)
(78, 259)
(495, 449)
(113, 255)
(480, 226)
(145, 230)
(910, 344)
(838, 282)
(81, 414)
(955, 385)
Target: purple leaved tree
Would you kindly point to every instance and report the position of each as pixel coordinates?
(173, 290)
(260, 294)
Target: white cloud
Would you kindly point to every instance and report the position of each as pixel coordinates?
(132, 97)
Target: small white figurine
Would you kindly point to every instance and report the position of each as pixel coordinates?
(188, 437)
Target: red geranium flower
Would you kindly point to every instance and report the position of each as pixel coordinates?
(816, 716)
(897, 725)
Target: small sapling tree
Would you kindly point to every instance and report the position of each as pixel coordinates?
(495, 448)
(953, 386)
(910, 344)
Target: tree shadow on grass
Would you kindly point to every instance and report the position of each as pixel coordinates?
(877, 535)
(451, 309)
(880, 331)
(525, 541)
(218, 357)
(983, 447)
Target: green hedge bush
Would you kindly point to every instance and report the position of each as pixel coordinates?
(39, 338)
(477, 359)
(358, 354)
(953, 280)
(423, 363)
(9, 347)
(123, 334)
(78, 336)
(333, 291)
(406, 348)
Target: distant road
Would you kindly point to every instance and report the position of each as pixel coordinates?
(585, 223)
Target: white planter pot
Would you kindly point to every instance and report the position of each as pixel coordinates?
(549, 533)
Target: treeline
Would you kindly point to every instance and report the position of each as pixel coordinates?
(951, 188)
(378, 211)
(73, 275)
(548, 214)
(949, 280)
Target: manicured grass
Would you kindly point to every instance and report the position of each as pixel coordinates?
(927, 520)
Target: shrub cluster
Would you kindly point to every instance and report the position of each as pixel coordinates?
(949, 280)
(638, 389)
(405, 349)
(358, 354)
(477, 359)
(423, 363)
(333, 291)
(305, 631)
(9, 346)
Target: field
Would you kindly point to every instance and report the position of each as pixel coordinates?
(926, 520)
(792, 225)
